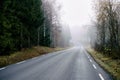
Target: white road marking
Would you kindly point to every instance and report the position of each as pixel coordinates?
(20, 62)
(94, 66)
(101, 77)
(34, 58)
(90, 60)
(43, 55)
(88, 57)
(2, 68)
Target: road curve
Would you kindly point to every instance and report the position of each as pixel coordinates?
(70, 64)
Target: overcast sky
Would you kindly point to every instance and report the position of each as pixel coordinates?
(77, 13)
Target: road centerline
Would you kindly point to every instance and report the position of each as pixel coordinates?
(90, 60)
(94, 66)
(101, 77)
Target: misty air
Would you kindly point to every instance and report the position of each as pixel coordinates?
(59, 39)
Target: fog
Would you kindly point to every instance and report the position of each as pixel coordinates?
(78, 14)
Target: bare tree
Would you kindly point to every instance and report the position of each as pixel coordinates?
(108, 25)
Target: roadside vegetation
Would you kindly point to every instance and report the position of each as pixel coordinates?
(106, 44)
(108, 63)
(28, 23)
(25, 54)
(107, 26)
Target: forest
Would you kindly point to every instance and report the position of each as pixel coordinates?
(28, 23)
(107, 24)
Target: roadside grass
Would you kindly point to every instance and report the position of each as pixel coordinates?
(25, 54)
(109, 64)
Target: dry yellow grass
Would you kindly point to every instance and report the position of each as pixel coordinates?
(25, 54)
(109, 64)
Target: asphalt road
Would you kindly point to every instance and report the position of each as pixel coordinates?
(70, 64)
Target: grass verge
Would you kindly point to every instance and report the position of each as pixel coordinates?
(26, 54)
(109, 64)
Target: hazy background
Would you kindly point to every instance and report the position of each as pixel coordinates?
(78, 14)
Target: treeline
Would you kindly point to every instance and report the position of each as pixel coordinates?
(108, 27)
(21, 25)
(59, 34)
(27, 23)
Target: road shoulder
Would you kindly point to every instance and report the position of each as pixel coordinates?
(25, 54)
(110, 65)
